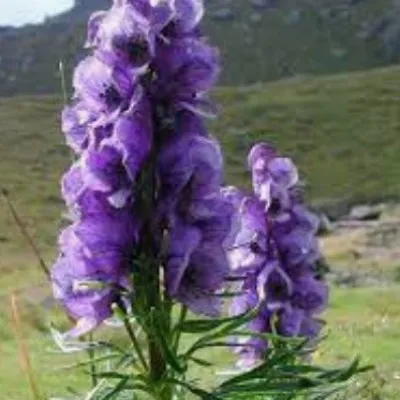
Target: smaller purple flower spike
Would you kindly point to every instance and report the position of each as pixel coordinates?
(274, 252)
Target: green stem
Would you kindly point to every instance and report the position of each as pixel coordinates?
(135, 343)
(182, 317)
(157, 362)
(92, 363)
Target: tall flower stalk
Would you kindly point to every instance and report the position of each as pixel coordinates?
(153, 229)
(150, 220)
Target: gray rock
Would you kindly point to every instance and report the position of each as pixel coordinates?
(255, 17)
(338, 52)
(325, 225)
(263, 4)
(223, 14)
(366, 212)
(294, 17)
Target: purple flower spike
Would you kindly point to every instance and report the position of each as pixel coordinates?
(275, 251)
(137, 104)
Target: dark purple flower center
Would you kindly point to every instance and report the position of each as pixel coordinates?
(277, 288)
(275, 207)
(111, 97)
(136, 49)
(256, 248)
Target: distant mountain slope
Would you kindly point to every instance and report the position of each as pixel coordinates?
(342, 131)
(261, 40)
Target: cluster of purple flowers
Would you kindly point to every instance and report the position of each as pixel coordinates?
(136, 126)
(138, 104)
(275, 254)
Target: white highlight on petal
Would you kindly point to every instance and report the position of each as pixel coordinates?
(66, 344)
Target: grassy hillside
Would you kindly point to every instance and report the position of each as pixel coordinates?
(292, 37)
(343, 132)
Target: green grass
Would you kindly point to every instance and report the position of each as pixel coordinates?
(366, 322)
(359, 322)
(342, 131)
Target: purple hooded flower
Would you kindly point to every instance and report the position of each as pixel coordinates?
(186, 68)
(75, 121)
(195, 270)
(132, 136)
(124, 34)
(273, 176)
(101, 87)
(188, 162)
(94, 262)
(197, 263)
(188, 14)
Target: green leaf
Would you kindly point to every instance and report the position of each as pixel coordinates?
(225, 330)
(202, 394)
(269, 336)
(201, 362)
(116, 390)
(112, 375)
(281, 357)
(100, 359)
(326, 394)
(202, 325)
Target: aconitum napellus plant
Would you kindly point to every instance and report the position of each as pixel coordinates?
(156, 242)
